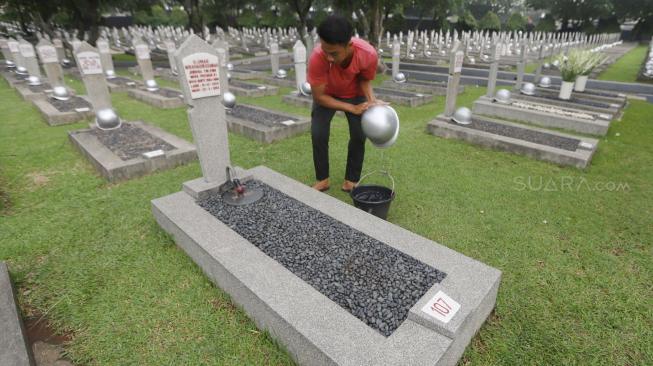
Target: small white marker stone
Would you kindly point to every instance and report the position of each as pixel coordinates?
(288, 122)
(585, 145)
(153, 154)
(83, 109)
(441, 307)
(262, 87)
(131, 83)
(604, 116)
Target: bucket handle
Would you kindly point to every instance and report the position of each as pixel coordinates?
(382, 172)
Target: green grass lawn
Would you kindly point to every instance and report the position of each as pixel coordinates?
(576, 259)
(627, 67)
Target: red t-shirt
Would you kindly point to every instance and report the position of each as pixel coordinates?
(343, 83)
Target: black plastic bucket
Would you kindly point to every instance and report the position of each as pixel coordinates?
(373, 199)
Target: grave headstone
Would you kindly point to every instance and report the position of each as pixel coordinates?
(222, 70)
(89, 63)
(198, 65)
(29, 58)
(299, 56)
(396, 54)
(274, 57)
(494, 69)
(61, 51)
(142, 51)
(48, 56)
(105, 56)
(170, 50)
(521, 65)
(455, 68)
(6, 53)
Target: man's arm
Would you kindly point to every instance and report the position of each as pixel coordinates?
(366, 87)
(325, 100)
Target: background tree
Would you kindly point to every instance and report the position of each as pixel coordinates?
(490, 22)
(516, 22)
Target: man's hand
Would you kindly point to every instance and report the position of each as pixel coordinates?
(358, 109)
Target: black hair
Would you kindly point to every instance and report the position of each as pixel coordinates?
(335, 29)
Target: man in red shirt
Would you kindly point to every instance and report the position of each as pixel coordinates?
(340, 72)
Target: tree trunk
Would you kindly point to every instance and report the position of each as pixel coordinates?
(192, 8)
(376, 23)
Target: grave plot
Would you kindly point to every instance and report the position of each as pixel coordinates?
(535, 142)
(379, 296)
(58, 112)
(120, 84)
(617, 99)
(546, 115)
(265, 125)
(332, 283)
(298, 99)
(242, 88)
(12, 78)
(247, 74)
(166, 74)
(402, 97)
(581, 104)
(539, 143)
(131, 151)
(164, 98)
(420, 86)
(32, 92)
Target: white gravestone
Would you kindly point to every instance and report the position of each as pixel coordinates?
(90, 67)
(299, 56)
(48, 56)
(455, 68)
(29, 58)
(274, 57)
(105, 55)
(198, 63)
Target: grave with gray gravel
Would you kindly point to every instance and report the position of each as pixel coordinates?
(265, 125)
(164, 98)
(60, 112)
(333, 284)
(542, 144)
(131, 149)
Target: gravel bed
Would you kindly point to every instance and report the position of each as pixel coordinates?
(573, 100)
(373, 281)
(537, 137)
(70, 104)
(119, 80)
(168, 93)
(39, 88)
(552, 110)
(243, 85)
(254, 115)
(129, 141)
(396, 93)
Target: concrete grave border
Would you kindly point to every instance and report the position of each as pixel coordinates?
(416, 100)
(315, 330)
(266, 134)
(598, 126)
(580, 158)
(28, 95)
(118, 88)
(115, 169)
(258, 92)
(54, 117)
(157, 100)
(14, 347)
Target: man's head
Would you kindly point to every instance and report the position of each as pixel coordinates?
(335, 34)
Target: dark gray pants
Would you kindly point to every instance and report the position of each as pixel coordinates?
(320, 130)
